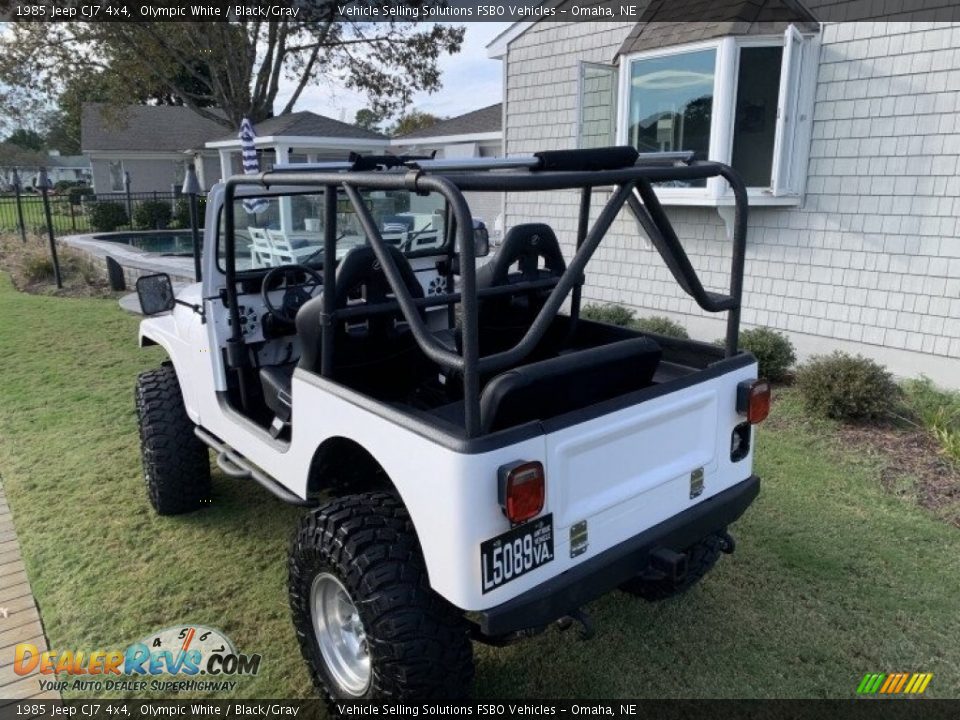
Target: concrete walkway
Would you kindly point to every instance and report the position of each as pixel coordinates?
(19, 618)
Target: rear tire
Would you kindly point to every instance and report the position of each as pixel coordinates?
(701, 557)
(363, 551)
(176, 465)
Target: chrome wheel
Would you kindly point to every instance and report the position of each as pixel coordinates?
(340, 635)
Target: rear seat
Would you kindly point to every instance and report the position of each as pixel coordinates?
(562, 384)
(570, 382)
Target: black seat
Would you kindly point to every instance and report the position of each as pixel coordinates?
(371, 352)
(275, 381)
(566, 383)
(503, 320)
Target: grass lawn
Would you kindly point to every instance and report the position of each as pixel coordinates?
(832, 578)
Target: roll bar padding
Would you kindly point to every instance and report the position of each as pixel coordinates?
(609, 158)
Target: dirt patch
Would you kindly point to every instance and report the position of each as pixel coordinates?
(909, 461)
(912, 465)
(31, 269)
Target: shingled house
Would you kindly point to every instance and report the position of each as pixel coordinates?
(846, 132)
(478, 133)
(154, 144)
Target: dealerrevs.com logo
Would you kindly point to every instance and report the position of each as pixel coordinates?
(894, 683)
(184, 652)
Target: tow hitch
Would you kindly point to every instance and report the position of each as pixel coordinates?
(666, 563)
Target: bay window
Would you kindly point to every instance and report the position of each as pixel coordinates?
(746, 101)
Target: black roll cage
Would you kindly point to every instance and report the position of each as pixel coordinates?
(632, 180)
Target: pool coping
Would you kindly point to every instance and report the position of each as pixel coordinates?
(179, 268)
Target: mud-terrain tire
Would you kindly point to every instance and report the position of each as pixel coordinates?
(176, 464)
(413, 643)
(701, 557)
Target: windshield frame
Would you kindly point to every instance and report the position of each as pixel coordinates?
(444, 249)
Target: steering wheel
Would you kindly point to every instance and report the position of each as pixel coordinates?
(297, 291)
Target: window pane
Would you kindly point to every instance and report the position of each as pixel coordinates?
(116, 176)
(755, 125)
(179, 172)
(671, 103)
(597, 105)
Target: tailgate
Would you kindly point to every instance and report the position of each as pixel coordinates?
(628, 470)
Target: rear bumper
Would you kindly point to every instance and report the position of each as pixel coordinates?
(589, 580)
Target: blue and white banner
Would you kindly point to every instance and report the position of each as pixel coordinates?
(251, 165)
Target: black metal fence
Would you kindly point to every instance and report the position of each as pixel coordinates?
(78, 210)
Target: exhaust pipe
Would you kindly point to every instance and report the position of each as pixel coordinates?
(727, 543)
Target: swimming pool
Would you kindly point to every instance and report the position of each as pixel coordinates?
(161, 242)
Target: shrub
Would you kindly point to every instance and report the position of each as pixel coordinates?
(610, 313)
(37, 268)
(773, 350)
(938, 411)
(181, 212)
(76, 194)
(660, 325)
(61, 185)
(106, 216)
(846, 387)
(151, 214)
(929, 404)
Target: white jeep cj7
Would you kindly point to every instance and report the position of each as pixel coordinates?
(478, 464)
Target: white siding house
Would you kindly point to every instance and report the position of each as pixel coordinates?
(848, 133)
(153, 144)
(475, 134)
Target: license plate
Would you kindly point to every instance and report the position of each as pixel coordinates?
(516, 552)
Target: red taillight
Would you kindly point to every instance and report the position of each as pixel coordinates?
(522, 490)
(753, 400)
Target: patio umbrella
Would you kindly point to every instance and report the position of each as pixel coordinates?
(251, 165)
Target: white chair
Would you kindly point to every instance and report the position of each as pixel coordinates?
(261, 250)
(284, 253)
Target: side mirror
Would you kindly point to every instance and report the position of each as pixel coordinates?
(155, 293)
(481, 240)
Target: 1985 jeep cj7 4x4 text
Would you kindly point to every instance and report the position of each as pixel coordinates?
(479, 464)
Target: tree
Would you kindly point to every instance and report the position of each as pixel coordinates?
(17, 156)
(413, 120)
(237, 67)
(368, 119)
(62, 125)
(26, 139)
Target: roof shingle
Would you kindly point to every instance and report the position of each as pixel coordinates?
(167, 128)
(306, 124)
(666, 23)
(144, 127)
(484, 120)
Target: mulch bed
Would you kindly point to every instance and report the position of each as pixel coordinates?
(908, 452)
(909, 459)
(80, 278)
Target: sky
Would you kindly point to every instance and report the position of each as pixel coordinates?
(471, 80)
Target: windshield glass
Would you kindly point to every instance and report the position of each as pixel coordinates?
(276, 230)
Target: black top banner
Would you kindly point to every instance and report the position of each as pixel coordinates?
(535, 709)
(364, 11)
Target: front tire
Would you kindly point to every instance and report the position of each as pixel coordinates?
(176, 465)
(368, 624)
(701, 557)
